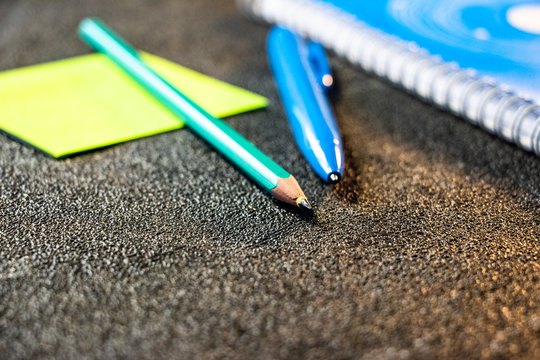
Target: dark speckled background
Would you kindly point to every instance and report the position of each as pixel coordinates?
(159, 248)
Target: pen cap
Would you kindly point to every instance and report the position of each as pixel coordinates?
(319, 64)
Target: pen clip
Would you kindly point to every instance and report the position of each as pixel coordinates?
(320, 65)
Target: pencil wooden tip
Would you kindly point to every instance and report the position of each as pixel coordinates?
(288, 191)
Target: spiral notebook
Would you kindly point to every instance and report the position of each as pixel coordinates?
(476, 58)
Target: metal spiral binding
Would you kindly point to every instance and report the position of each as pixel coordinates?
(461, 91)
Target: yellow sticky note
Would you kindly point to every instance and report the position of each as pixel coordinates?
(87, 102)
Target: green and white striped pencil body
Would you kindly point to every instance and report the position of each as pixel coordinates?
(231, 144)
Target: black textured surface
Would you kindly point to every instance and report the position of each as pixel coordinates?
(158, 248)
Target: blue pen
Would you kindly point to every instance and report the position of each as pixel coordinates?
(302, 74)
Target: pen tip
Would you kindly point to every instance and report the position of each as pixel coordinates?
(303, 203)
(334, 178)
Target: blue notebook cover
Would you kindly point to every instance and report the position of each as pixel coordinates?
(497, 38)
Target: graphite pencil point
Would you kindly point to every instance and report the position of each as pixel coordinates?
(304, 204)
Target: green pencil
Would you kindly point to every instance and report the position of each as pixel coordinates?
(225, 139)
